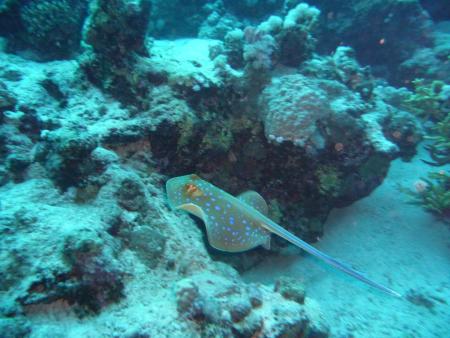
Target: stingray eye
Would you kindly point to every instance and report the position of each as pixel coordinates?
(192, 190)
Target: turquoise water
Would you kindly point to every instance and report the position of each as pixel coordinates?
(312, 139)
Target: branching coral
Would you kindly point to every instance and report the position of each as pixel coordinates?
(432, 193)
(426, 101)
(430, 101)
(440, 148)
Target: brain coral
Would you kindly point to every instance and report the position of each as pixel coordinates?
(293, 106)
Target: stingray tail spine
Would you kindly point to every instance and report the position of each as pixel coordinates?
(278, 230)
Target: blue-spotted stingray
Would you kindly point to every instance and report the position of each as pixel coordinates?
(236, 224)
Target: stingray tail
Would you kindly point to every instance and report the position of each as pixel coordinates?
(276, 229)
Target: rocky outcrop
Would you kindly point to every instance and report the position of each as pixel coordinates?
(45, 30)
(116, 34)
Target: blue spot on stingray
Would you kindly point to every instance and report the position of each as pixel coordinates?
(231, 220)
(247, 227)
(217, 207)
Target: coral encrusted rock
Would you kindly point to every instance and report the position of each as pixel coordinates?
(302, 110)
(116, 33)
(51, 29)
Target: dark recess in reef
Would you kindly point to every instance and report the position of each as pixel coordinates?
(439, 10)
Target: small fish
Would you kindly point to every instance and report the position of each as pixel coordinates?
(236, 224)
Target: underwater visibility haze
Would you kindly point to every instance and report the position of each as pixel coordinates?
(300, 138)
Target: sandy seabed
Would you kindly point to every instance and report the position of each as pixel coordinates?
(395, 243)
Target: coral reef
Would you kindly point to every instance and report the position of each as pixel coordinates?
(51, 28)
(440, 147)
(95, 184)
(430, 101)
(397, 29)
(243, 100)
(427, 101)
(290, 288)
(343, 67)
(295, 39)
(431, 62)
(84, 273)
(16, 148)
(7, 101)
(228, 309)
(218, 23)
(432, 193)
(258, 50)
(329, 180)
(287, 40)
(116, 32)
(294, 106)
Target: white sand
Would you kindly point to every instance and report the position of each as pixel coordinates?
(395, 243)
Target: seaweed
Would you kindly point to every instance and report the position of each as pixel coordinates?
(432, 193)
(426, 102)
(440, 148)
